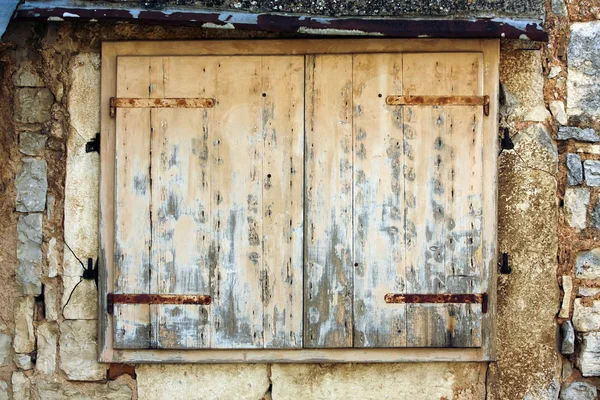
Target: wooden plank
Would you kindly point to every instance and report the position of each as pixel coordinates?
(490, 68)
(132, 206)
(305, 46)
(328, 270)
(236, 185)
(181, 208)
(282, 203)
(331, 355)
(378, 202)
(431, 182)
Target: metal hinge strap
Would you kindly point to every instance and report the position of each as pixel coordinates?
(122, 102)
(439, 298)
(114, 298)
(440, 101)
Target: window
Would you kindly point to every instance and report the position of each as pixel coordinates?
(327, 200)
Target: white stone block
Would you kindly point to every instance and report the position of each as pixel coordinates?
(24, 339)
(586, 315)
(78, 358)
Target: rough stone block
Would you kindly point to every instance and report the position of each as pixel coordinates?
(591, 171)
(4, 394)
(565, 309)
(52, 258)
(587, 291)
(5, 348)
(381, 381)
(29, 254)
(83, 302)
(23, 361)
(581, 134)
(67, 391)
(24, 340)
(596, 216)
(576, 203)
(554, 71)
(559, 7)
(557, 108)
(84, 96)
(33, 105)
(26, 76)
(81, 183)
(574, 169)
(21, 386)
(523, 85)
(47, 339)
(32, 143)
(32, 185)
(233, 381)
(51, 301)
(583, 56)
(568, 338)
(78, 351)
(579, 391)
(587, 264)
(586, 315)
(588, 359)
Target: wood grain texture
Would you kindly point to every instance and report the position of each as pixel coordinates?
(282, 205)
(328, 268)
(132, 199)
(378, 202)
(438, 243)
(180, 211)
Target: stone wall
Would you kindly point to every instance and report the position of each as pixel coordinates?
(549, 216)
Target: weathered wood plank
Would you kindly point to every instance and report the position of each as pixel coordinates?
(378, 202)
(181, 208)
(236, 185)
(181, 229)
(328, 270)
(431, 267)
(282, 206)
(132, 206)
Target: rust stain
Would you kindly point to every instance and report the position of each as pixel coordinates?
(437, 100)
(436, 298)
(144, 298)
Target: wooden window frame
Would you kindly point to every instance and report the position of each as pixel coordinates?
(111, 50)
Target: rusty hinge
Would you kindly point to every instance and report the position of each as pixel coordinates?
(114, 298)
(439, 298)
(121, 102)
(440, 101)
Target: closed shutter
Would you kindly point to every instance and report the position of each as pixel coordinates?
(209, 201)
(394, 200)
(315, 201)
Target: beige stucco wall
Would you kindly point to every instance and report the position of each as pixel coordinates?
(66, 59)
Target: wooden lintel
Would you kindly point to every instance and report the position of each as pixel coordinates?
(440, 101)
(119, 102)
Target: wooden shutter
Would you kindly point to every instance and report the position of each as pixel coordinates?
(394, 200)
(209, 202)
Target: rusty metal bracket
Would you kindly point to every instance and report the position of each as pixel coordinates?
(439, 298)
(143, 298)
(122, 102)
(440, 101)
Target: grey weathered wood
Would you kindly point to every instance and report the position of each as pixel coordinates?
(378, 220)
(444, 179)
(328, 269)
(132, 206)
(282, 205)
